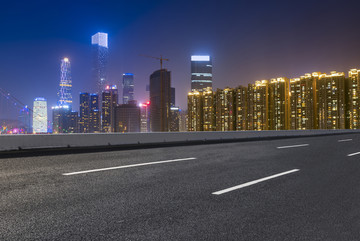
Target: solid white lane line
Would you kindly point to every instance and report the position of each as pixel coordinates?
(344, 140)
(283, 147)
(353, 154)
(254, 182)
(127, 166)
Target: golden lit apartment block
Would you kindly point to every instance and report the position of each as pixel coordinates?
(195, 115)
(353, 100)
(208, 109)
(303, 102)
(241, 108)
(279, 104)
(258, 105)
(331, 100)
(225, 118)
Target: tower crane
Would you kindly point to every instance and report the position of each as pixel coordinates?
(161, 59)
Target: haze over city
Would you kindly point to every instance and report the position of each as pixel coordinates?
(247, 42)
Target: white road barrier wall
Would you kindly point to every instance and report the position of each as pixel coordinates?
(16, 142)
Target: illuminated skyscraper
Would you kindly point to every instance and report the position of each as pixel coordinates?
(64, 94)
(225, 116)
(353, 99)
(84, 113)
(303, 102)
(195, 111)
(94, 117)
(241, 107)
(174, 118)
(160, 99)
(145, 117)
(109, 102)
(279, 104)
(258, 106)
(208, 110)
(99, 43)
(331, 100)
(40, 116)
(201, 72)
(128, 87)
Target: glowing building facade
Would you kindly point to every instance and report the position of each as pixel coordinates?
(353, 99)
(99, 43)
(313, 101)
(64, 94)
(279, 104)
(208, 110)
(241, 108)
(303, 102)
(94, 115)
(258, 106)
(201, 72)
(195, 111)
(331, 100)
(40, 116)
(225, 118)
(84, 113)
(109, 102)
(128, 87)
(145, 117)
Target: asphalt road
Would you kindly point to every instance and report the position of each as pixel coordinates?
(289, 189)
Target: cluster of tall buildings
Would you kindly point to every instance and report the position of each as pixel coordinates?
(100, 109)
(312, 101)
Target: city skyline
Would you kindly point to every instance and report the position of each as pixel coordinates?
(253, 50)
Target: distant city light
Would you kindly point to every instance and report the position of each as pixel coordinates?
(200, 58)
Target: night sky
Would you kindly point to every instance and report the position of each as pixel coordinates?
(248, 41)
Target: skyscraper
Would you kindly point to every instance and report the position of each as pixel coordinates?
(40, 116)
(84, 113)
(201, 72)
(279, 104)
(145, 117)
(160, 98)
(109, 102)
(128, 87)
(331, 100)
(25, 120)
(225, 108)
(195, 111)
(241, 108)
(127, 118)
(99, 43)
(64, 94)
(353, 99)
(258, 106)
(61, 119)
(94, 118)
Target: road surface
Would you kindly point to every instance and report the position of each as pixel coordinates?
(289, 189)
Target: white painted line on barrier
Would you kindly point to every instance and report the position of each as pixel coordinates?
(283, 147)
(254, 182)
(127, 166)
(353, 154)
(345, 140)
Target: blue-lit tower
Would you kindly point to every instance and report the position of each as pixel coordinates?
(99, 43)
(128, 87)
(65, 96)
